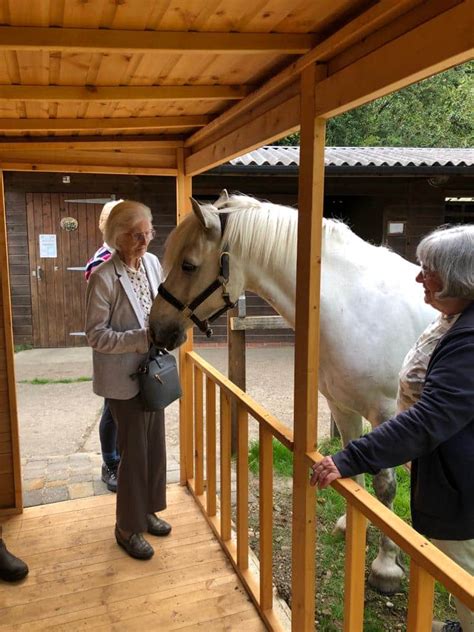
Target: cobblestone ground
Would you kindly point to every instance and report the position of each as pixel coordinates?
(53, 479)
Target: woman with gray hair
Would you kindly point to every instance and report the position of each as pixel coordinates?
(118, 302)
(434, 427)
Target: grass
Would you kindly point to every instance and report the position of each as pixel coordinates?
(62, 380)
(382, 613)
(24, 347)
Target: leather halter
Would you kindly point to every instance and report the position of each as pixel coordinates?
(220, 282)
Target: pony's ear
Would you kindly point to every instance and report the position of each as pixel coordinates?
(223, 198)
(200, 213)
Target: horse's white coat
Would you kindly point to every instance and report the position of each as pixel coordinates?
(372, 310)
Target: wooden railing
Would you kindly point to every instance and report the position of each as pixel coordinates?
(427, 562)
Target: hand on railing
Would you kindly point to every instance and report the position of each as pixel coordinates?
(324, 473)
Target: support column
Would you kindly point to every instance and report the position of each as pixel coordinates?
(186, 464)
(10, 463)
(310, 205)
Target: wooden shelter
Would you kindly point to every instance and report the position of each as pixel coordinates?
(175, 88)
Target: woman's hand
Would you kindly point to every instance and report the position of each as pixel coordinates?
(324, 473)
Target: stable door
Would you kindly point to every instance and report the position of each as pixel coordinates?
(62, 235)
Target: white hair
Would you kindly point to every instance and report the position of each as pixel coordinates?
(449, 251)
(105, 212)
(122, 218)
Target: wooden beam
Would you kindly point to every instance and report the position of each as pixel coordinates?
(121, 41)
(354, 31)
(258, 322)
(277, 122)
(8, 366)
(443, 41)
(72, 124)
(92, 144)
(308, 280)
(123, 93)
(65, 168)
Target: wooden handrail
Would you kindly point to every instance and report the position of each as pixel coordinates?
(278, 430)
(422, 551)
(427, 561)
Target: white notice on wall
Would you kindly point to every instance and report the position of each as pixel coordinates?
(47, 246)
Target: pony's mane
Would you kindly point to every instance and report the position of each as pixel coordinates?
(262, 231)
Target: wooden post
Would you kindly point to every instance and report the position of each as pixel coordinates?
(310, 205)
(420, 599)
(236, 363)
(183, 207)
(354, 586)
(10, 488)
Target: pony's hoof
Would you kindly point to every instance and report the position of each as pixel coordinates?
(340, 527)
(387, 582)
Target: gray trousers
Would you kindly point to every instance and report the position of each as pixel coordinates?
(141, 481)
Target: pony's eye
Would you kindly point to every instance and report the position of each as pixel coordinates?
(188, 267)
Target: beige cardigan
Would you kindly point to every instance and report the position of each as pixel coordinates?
(115, 326)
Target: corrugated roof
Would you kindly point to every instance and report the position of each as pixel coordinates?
(273, 155)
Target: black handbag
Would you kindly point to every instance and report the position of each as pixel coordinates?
(158, 380)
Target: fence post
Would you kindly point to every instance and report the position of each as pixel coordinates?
(236, 363)
(183, 207)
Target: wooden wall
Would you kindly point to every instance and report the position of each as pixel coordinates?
(367, 203)
(10, 478)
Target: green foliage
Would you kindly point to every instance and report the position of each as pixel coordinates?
(64, 380)
(436, 112)
(23, 347)
(282, 458)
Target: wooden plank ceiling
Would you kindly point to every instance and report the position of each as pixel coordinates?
(123, 84)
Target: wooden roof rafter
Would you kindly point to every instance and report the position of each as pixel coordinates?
(88, 40)
(105, 124)
(123, 93)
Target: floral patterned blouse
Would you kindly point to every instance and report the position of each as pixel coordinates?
(413, 371)
(141, 287)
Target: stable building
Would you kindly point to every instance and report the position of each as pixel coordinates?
(388, 195)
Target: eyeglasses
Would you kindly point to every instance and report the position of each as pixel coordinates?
(147, 236)
(425, 271)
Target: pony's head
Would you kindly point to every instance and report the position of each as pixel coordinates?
(192, 263)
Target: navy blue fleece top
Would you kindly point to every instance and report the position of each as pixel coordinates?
(437, 435)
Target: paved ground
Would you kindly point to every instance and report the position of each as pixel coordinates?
(59, 422)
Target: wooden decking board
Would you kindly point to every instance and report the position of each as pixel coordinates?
(43, 564)
(18, 527)
(181, 521)
(80, 579)
(169, 604)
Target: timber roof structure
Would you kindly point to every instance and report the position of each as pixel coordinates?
(125, 86)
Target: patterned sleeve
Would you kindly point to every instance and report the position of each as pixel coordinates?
(103, 254)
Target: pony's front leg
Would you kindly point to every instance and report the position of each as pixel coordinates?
(349, 425)
(386, 570)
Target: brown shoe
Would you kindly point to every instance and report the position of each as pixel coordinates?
(157, 526)
(136, 545)
(12, 569)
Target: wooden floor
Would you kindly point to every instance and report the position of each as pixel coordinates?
(81, 580)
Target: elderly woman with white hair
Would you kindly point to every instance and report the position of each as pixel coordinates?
(119, 296)
(435, 426)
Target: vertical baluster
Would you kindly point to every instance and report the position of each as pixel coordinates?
(266, 518)
(198, 433)
(354, 570)
(225, 466)
(211, 446)
(242, 488)
(420, 599)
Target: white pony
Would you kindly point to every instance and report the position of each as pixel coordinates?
(372, 311)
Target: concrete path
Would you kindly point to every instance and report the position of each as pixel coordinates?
(59, 421)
